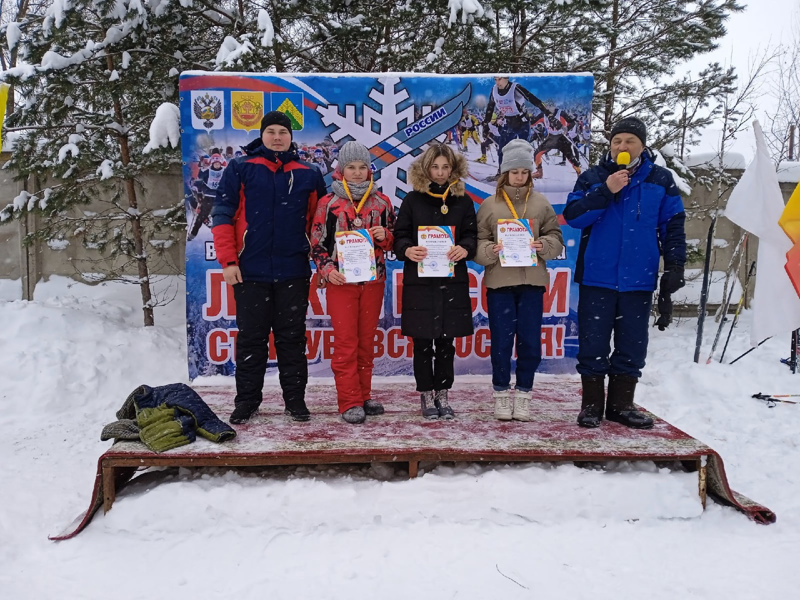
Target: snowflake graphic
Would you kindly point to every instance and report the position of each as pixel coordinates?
(377, 126)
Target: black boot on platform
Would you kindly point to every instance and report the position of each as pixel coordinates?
(594, 400)
(297, 409)
(242, 412)
(620, 407)
(373, 408)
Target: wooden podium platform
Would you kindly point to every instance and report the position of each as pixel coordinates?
(401, 435)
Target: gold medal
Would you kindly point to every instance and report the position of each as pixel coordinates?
(443, 198)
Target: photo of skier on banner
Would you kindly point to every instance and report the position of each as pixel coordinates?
(562, 135)
(491, 137)
(468, 127)
(204, 189)
(508, 99)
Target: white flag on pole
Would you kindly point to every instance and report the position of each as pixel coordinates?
(756, 204)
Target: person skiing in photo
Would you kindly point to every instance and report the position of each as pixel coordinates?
(491, 135)
(630, 214)
(205, 190)
(469, 129)
(508, 99)
(562, 134)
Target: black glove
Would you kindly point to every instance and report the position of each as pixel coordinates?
(672, 279)
(664, 310)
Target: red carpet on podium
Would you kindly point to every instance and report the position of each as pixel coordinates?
(402, 435)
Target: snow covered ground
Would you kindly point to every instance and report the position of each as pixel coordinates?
(465, 531)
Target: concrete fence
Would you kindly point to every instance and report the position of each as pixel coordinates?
(39, 260)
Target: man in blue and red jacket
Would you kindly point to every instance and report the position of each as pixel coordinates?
(629, 215)
(260, 222)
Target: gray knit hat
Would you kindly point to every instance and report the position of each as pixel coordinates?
(353, 152)
(517, 154)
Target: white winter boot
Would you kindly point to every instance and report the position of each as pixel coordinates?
(502, 405)
(522, 406)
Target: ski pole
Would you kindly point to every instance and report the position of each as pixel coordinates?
(749, 351)
(701, 311)
(762, 396)
(724, 313)
(738, 311)
(771, 400)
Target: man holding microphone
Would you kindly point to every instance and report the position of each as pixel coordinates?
(630, 213)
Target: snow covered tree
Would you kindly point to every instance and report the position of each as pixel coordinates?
(635, 46)
(91, 76)
(345, 36)
(785, 92)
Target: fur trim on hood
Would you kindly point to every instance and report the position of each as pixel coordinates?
(421, 181)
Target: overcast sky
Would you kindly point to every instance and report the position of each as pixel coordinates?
(763, 24)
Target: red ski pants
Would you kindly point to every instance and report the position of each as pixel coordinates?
(354, 310)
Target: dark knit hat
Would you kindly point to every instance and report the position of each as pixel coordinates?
(631, 125)
(275, 117)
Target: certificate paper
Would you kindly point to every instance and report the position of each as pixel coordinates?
(438, 241)
(355, 252)
(516, 236)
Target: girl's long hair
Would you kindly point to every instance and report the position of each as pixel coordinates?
(503, 181)
(434, 152)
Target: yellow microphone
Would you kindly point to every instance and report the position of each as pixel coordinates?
(623, 159)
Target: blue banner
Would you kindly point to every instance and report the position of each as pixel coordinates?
(396, 116)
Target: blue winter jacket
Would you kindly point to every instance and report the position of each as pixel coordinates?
(625, 233)
(262, 214)
(189, 403)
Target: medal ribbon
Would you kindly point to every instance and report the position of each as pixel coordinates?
(442, 197)
(363, 198)
(511, 206)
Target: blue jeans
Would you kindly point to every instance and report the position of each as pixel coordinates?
(603, 311)
(515, 311)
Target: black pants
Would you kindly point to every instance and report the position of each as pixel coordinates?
(281, 308)
(557, 142)
(433, 369)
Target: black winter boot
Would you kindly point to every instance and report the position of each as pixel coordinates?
(297, 409)
(594, 400)
(373, 408)
(620, 407)
(242, 412)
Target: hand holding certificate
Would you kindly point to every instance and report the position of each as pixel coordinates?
(438, 241)
(515, 237)
(355, 253)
